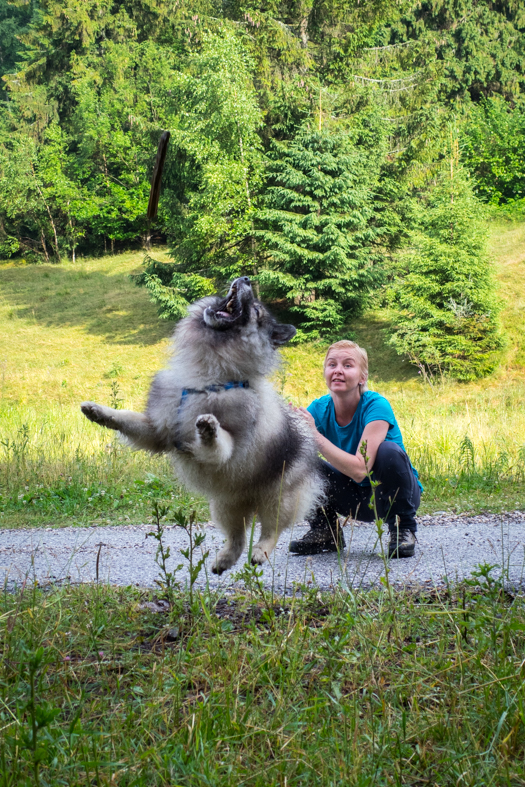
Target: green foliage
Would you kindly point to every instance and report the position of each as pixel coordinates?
(316, 230)
(447, 312)
(91, 84)
(493, 148)
(171, 290)
(477, 48)
(14, 19)
(215, 165)
(321, 678)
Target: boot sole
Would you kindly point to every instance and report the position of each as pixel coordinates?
(314, 550)
(402, 552)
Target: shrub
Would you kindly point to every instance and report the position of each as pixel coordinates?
(447, 309)
(492, 149)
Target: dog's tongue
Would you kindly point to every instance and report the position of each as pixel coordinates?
(223, 314)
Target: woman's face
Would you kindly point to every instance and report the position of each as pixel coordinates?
(342, 371)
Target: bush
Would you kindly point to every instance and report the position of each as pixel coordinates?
(447, 310)
(171, 290)
(493, 146)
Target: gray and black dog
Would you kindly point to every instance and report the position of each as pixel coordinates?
(229, 435)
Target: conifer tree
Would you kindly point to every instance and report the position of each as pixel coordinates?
(213, 171)
(446, 318)
(317, 230)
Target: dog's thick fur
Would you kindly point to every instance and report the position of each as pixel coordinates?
(240, 446)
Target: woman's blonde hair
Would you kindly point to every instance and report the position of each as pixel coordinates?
(361, 354)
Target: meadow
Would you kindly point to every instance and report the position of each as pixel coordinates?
(102, 685)
(83, 331)
(111, 686)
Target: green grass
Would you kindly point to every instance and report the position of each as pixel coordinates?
(363, 689)
(313, 690)
(75, 332)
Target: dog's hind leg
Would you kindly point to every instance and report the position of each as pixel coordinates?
(233, 522)
(280, 512)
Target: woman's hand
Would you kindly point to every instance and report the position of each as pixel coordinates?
(308, 417)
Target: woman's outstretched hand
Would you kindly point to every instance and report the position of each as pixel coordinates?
(308, 417)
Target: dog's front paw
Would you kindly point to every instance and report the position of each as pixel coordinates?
(98, 414)
(207, 426)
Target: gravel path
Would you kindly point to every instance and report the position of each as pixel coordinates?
(449, 546)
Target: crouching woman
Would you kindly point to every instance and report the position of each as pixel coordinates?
(342, 421)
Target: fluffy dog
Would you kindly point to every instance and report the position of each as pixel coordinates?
(229, 435)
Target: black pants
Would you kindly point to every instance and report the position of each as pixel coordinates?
(398, 494)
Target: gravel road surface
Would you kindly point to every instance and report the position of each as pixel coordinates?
(449, 547)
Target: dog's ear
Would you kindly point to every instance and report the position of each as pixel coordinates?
(282, 334)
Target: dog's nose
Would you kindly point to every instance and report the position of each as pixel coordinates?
(245, 279)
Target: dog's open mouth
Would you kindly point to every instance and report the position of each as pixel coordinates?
(231, 308)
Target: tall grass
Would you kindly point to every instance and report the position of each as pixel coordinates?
(56, 468)
(75, 332)
(98, 688)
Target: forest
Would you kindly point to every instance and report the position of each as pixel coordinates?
(342, 153)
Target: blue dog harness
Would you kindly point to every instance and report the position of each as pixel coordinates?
(215, 388)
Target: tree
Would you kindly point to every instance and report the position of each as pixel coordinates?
(40, 204)
(493, 149)
(121, 100)
(212, 178)
(446, 310)
(218, 117)
(317, 230)
(13, 23)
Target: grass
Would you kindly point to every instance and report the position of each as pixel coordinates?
(509, 245)
(115, 686)
(83, 331)
(103, 686)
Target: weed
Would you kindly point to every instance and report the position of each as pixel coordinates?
(320, 696)
(379, 523)
(467, 455)
(40, 714)
(186, 522)
(196, 539)
(115, 398)
(167, 582)
(15, 448)
(115, 370)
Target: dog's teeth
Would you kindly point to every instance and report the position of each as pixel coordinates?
(229, 306)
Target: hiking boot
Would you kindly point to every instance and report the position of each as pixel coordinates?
(319, 540)
(402, 543)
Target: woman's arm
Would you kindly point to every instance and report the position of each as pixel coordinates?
(354, 467)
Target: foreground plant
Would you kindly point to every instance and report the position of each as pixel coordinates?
(319, 694)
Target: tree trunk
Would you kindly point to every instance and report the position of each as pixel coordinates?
(247, 186)
(43, 240)
(57, 253)
(73, 256)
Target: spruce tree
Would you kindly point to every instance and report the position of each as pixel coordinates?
(446, 317)
(317, 231)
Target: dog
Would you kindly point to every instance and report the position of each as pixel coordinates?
(230, 436)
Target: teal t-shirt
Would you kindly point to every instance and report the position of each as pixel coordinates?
(372, 407)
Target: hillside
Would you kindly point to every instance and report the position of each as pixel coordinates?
(84, 331)
(71, 329)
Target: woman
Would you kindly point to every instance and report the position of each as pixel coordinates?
(342, 421)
